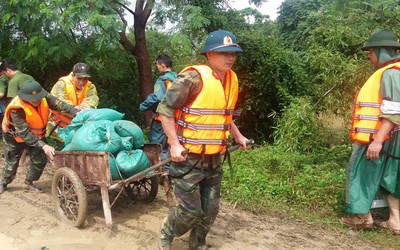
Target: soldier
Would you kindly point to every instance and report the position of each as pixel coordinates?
(164, 81)
(75, 89)
(24, 127)
(374, 163)
(15, 76)
(196, 114)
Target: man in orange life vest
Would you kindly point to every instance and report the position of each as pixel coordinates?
(164, 81)
(196, 114)
(75, 89)
(375, 161)
(24, 127)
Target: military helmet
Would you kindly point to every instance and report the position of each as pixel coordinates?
(31, 91)
(221, 41)
(382, 38)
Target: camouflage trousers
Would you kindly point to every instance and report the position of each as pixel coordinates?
(12, 154)
(198, 194)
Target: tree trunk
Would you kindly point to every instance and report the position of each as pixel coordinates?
(139, 48)
(143, 60)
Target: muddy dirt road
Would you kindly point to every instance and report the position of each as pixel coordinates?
(30, 222)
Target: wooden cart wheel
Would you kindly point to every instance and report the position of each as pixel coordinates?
(144, 190)
(69, 197)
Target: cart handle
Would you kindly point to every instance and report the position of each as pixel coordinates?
(143, 172)
(236, 147)
(161, 163)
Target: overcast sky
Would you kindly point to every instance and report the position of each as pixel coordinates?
(270, 8)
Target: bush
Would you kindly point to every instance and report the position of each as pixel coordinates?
(268, 178)
(299, 129)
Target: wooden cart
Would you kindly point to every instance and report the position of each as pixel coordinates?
(77, 171)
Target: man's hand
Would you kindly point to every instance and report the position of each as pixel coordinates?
(176, 153)
(84, 105)
(242, 141)
(373, 150)
(49, 151)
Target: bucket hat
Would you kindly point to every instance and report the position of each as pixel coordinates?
(31, 91)
(382, 38)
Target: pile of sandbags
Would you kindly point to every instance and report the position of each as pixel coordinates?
(104, 130)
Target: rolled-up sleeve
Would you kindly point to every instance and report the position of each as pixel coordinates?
(390, 93)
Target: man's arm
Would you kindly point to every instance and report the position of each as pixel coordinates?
(59, 91)
(239, 138)
(92, 99)
(184, 90)
(60, 106)
(153, 99)
(168, 124)
(3, 86)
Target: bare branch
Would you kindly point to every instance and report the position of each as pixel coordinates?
(125, 7)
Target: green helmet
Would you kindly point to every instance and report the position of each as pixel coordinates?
(31, 91)
(382, 38)
(221, 41)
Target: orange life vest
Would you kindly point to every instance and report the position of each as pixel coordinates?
(35, 117)
(202, 125)
(63, 119)
(168, 84)
(365, 121)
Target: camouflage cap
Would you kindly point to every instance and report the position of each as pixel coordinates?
(81, 70)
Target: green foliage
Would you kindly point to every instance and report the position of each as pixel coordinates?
(328, 36)
(269, 77)
(267, 178)
(298, 129)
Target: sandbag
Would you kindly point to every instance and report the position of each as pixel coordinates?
(67, 147)
(66, 134)
(113, 169)
(96, 136)
(90, 115)
(126, 128)
(132, 162)
(126, 143)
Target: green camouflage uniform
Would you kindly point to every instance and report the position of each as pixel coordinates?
(198, 192)
(13, 150)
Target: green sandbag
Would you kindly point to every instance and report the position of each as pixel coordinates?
(67, 147)
(126, 143)
(66, 134)
(90, 115)
(127, 128)
(132, 162)
(113, 169)
(96, 136)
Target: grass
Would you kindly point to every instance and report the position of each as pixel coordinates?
(303, 186)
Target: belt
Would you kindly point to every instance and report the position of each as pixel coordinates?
(205, 161)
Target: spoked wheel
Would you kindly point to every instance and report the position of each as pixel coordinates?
(144, 190)
(69, 197)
